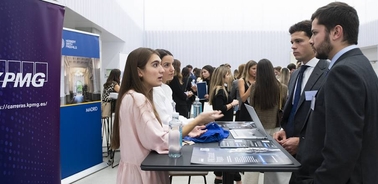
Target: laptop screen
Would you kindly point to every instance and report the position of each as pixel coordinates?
(255, 118)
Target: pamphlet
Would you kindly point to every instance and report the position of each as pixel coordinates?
(201, 90)
(254, 156)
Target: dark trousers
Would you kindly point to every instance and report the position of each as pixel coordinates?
(236, 175)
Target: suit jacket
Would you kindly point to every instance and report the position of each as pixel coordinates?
(341, 140)
(314, 82)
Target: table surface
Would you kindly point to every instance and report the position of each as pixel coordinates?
(161, 162)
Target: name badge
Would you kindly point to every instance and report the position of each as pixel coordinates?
(310, 94)
(313, 103)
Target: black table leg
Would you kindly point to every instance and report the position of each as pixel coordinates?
(228, 178)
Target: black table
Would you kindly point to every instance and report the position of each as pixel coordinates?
(156, 162)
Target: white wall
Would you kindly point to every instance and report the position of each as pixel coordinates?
(368, 35)
(200, 48)
(201, 33)
(123, 19)
(240, 15)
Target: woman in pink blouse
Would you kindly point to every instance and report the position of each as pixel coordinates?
(137, 126)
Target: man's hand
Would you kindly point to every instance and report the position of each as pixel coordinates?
(291, 145)
(280, 136)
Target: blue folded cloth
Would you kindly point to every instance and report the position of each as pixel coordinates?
(214, 133)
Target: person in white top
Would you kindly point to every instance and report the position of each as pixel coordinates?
(162, 95)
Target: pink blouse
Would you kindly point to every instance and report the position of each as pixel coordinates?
(140, 133)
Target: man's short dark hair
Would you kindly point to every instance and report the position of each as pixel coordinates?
(304, 26)
(189, 66)
(339, 13)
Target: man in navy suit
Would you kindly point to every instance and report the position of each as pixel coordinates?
(312, 78)
(340, 144)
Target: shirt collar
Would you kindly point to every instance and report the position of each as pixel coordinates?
(340, 53)
(312, 63)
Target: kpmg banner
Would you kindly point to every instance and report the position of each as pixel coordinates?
(30, 54)
(80, 100)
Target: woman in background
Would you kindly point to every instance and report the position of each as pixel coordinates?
(137, 124)
(197, 74)
(219, 96)
(285, 76)
(266, 95)
(249, 78)
(187, 79)
(221, 100)
(180, 95)
(111, 84)
(235, 91)
(206, 74)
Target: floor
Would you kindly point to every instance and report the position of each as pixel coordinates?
(109, 175)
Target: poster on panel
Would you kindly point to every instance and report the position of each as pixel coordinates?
(30, 54)
(80, 100)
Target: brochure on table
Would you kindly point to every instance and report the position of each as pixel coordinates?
(258, 156)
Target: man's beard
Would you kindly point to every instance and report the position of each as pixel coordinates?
(323, 50)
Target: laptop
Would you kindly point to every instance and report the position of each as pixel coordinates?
(255, 118)
(247, 134)
(256, 133)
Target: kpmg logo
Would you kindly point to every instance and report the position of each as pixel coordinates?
(23, 73)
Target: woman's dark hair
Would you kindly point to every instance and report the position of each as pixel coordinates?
(267, 87)
(177, 65)
(163, 53)
(137, 59)
(185, 72)
(114, 76)
(197, 72)
(210, 69)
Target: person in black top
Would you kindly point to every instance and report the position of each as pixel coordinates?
(220, 99)
(206, 73)
(179, 93)
(187, 80)
(219, 96)
(244, 86)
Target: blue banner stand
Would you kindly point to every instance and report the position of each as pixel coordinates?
(80, 119)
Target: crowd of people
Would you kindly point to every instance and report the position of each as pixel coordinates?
(328, 101)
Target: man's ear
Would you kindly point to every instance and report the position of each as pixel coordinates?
(337, 32)
(140, 72)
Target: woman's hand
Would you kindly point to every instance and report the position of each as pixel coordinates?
(189, 94)
(197, 131)
(235, 103)
(194, 88)
(207, 117)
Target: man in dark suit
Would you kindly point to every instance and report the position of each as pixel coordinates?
(313, 77)
(296, 109)
(340, 144)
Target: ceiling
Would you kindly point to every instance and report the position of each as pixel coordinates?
(73, 20)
